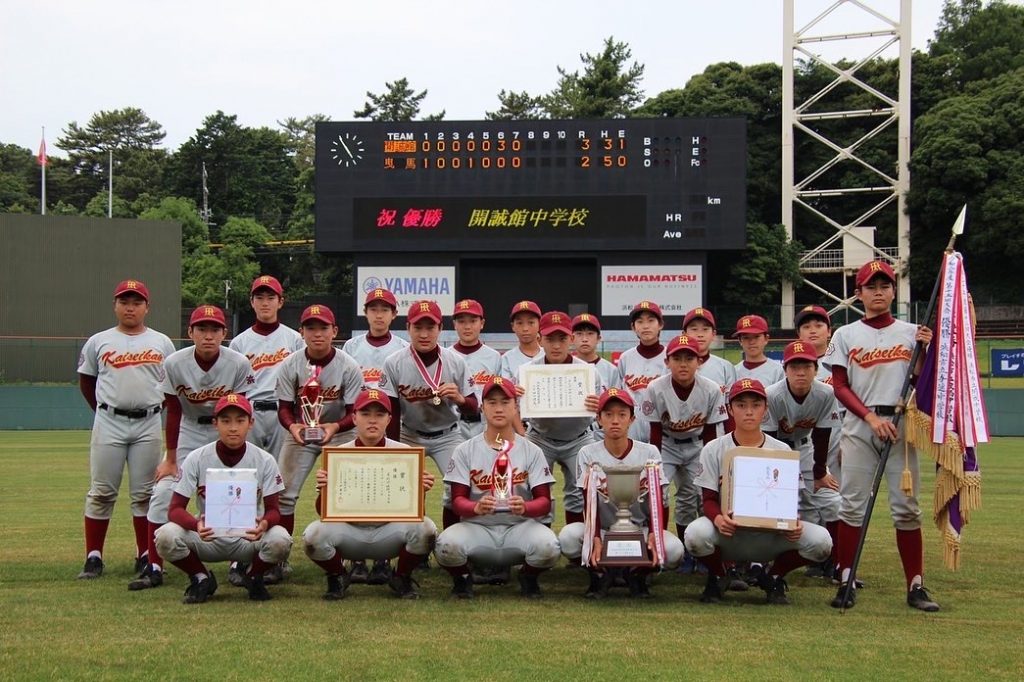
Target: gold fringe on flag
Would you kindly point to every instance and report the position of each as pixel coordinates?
(948, 455)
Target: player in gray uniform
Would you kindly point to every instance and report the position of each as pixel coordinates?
(699, 324)
(484, 535)
(615, 411)
(327, 543)
(715, 537)
(119, 374)
(340, 381)
(188, 542)
(802, 413)
(752, 332)
(482, 361)
(525, 321)
(266, 343)
(194, 380)
(687, 409)
(560, 438)
(586, 336)
(813, 326)
(429, 389)
(641, 365)
(370, 350)
(869, 361)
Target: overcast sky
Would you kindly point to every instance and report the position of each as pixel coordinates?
(64, 60)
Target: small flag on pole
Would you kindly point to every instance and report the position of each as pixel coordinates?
(41, 157)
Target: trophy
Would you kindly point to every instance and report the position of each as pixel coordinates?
(501, 476)
(311, 401)
(624, 542)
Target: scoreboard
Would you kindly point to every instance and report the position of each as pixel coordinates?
(618, 184)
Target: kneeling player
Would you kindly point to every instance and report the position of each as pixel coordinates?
(615, 414)
(715, 537)
(328, 544)
(485, 535)
(187, 542)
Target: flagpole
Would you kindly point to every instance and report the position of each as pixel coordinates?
(110, 186)
(869, 505)
(42, 166)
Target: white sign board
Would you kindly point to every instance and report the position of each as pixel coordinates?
(676, 288)
(408, 284)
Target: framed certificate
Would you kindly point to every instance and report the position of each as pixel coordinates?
(375, 485)
(556, 390)
(230, 508)
(762, 487)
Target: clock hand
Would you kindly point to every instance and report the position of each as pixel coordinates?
(347, 150)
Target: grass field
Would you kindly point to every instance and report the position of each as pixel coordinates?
(55, 627)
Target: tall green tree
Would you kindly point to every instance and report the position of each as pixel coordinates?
(607, 87)
(234, 263)
(517, 106)
(17, 166)
(768, 260)
(301, 136)
(399, 102)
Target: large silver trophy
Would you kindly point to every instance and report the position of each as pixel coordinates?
(624, 541)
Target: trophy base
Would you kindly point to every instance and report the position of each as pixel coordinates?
(624, 549)
(501, 506)
(313, 435)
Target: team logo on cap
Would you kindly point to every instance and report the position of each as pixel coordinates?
(645, 304)
(498, 381)
(698, 311)
(378, 293)
(264, 279)
(808, 308)
(798, 347)
(684, 340)
(556, 318)
(746, 384)
(876, 266)
(131, 284)
(613, 392)
(745, 322)
(314, 310)
(463, 305)
(524, 305)
(232, 398)
(208, 311)
(373, 395)
(584, 317)
(424, 307)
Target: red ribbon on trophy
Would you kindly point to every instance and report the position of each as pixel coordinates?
(501, 476)
(311, 402)
(433, 382)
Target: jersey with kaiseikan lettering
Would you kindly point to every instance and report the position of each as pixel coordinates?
(637, 455)
(686, 418)
(340, 383)
(403, 380)
(635, 374)
(193, 473)
(472, 464)
(129, 368)
(266, 352)
(371, 358)
(875, 359)
(199, 390)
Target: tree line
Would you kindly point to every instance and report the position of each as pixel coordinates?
(968, 147)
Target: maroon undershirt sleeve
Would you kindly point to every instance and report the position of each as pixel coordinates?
(656, 434)
(87, 385)
(712, 503)
(540, 505)
(272, 510)
(461, 504)
(178, 513)
(845, 394)
(470, 407)
(820, 438)
(286, 413)
(709, 433)
(346, 422)
(394, 430)
(173, 424)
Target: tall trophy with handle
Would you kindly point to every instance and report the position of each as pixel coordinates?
(311, 402)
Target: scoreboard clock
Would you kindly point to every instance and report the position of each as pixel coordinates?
(618, 184)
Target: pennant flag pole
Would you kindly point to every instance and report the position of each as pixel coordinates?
(41, 157)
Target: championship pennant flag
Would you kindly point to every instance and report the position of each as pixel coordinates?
(946, 416)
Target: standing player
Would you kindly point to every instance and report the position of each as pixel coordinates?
(482, 361)
(266, 343)
(370, 350)
(327, 543)
(615, 412)
(560, 438)
(525, 321)
(814, 327)
(715, 538)
(187, 541)
(641, 365)
(119, 374)
(488, 537)
(586, 336)
(869, 360)
(195, 379)
(430, 390)
(699, 324)
(752, 332)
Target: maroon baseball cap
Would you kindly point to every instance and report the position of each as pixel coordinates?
(373, 396)
(585, 320)
(506, 386)
(468, 306)
(646, 307)
(524, 307)
(207, 313)
(379, 295)
(232, 400)
(700, 314)
(746, 386)
(318, 313)
(873, 269)
(799, 350)
(267, 282)
(682, 343)
(425, 309)
(811, 311)
(131, 286)
(555, 321)
(751, 324)
(611, 394)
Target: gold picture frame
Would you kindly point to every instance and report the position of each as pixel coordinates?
(376, 485)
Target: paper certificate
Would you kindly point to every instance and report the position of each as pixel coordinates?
(764, 487)
(556, 390)
(231, 505)
(375, 485)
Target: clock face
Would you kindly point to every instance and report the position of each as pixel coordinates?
(347, 150)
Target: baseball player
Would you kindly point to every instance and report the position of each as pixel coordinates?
(715, 537)
(752, 332)
(370, 350)
(266, 343)
(119, 375)
(484, 535)
(188, 542)
(525, 321)
(802, 413)
(194, 380)
(869, 360)
(340, 381)
(482, 361)
(586, 337)
(699, 324)
(327, 543)
(615, 411)
(687, 409)
(430, 392)
(560, 438)
(814, 327)
(641, 365)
